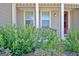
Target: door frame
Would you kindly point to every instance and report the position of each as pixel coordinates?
(68, 18)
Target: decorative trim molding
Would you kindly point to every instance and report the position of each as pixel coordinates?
(47, 5)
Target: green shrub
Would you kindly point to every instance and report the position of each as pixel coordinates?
(18, 39)
(25, 41)
(1, 41)
(9, 35)
(47, 39)
(72, 42)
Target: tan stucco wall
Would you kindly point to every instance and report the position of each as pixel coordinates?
(6, 16)
(20, 15)
(74, 19)
(54, 19)
(5, 13)
(20, 18)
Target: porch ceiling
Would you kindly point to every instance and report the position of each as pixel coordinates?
(47, 5)
(72, 5)
(25, 5)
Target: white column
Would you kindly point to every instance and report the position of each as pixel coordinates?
(37, 15)
(62, 21)
(13, 14)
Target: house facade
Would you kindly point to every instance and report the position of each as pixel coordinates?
(58, 16)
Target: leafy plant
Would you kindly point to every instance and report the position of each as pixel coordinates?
(25, 40)
(1, 41)
(19, 40)
(47, 39)
(72, 42)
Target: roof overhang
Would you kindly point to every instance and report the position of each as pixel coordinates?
(50, 5)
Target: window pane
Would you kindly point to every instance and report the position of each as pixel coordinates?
(45, 23)
(45, 16)
(29, 15)
(45, 19)
(29, 18)
(29, 22)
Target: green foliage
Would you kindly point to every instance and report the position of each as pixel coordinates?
(9, 35)
(24, 39)
(47, 39)
(1, 41)
(72, 42)
(19, 40)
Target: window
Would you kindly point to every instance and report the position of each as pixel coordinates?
(29, 18)
(45, 19)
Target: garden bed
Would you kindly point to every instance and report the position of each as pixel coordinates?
(29, 41)
(39, 52)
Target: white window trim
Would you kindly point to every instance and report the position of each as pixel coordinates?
(25, 17)
(49, 16)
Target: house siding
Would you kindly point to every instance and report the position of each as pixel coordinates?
(71, 19)
(5, 13)
(74, 21)
(54, 19)
(20, 18)
(20, 15)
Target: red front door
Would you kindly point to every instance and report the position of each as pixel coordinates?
(65, 22)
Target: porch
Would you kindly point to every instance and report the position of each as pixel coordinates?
(60, 17)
